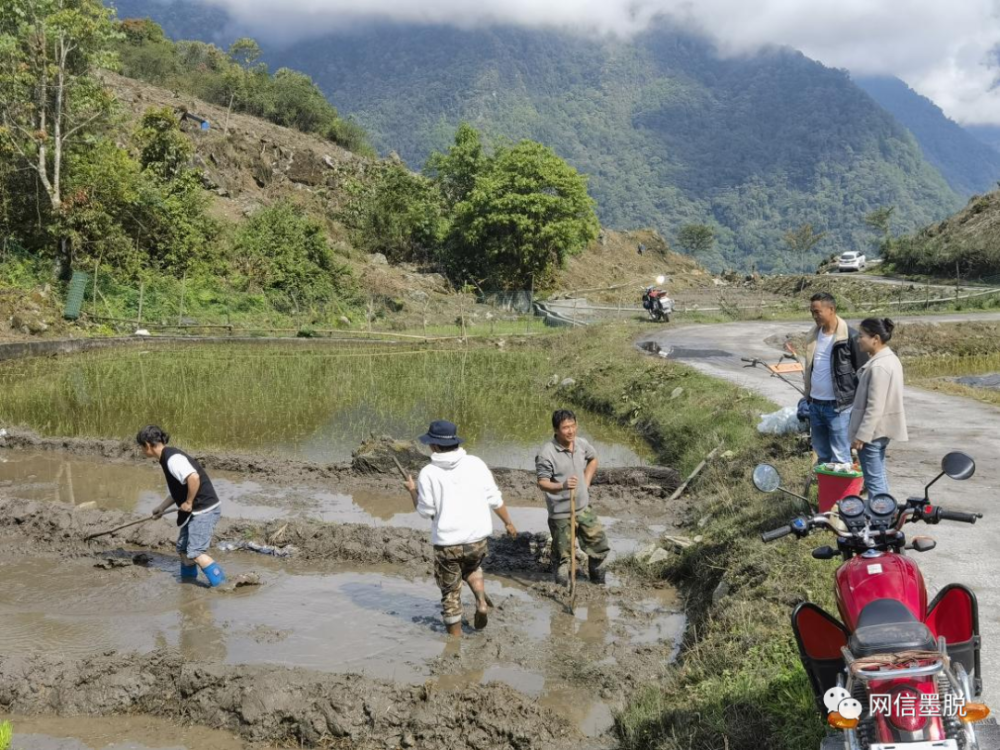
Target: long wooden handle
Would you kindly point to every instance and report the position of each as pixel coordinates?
(401, 469)
(572, 547)
(127, 525)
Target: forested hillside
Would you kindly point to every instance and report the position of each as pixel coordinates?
(969, 165)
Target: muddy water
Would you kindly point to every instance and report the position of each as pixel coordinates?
(138, 488)
(118, 733)
(376, 622)
(316, 403)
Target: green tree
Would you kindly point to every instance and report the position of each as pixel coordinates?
(696, 238)
(396, 213)
(526, 213)
(50, 101)
(801, 241)
(279, 248)
(881, 220)
(244, 53)
(164, 149)
(455, 171)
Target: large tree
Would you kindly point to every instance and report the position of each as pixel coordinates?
(696, 239)
(801, 241)
(528, 211)
(50, 101)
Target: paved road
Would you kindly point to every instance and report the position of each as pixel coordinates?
(891, 281)
(937, 423)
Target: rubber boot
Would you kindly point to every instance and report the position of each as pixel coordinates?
(562, 575)
(596, 570)
(215, 575)
(189, 572)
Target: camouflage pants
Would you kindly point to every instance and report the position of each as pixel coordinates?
(452, 565)
(589, 535)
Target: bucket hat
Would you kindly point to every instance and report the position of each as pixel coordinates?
(443, 433)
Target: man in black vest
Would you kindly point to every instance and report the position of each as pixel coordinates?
(198, 506)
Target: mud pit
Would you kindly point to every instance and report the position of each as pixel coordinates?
(341, 644)
(356, 598)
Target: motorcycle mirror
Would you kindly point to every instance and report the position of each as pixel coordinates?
(958, 465)
(824, 553)
(923, 544)
(766, 478)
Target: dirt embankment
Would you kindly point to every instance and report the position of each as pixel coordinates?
(56, 527)
(279, 705)
(615, 490)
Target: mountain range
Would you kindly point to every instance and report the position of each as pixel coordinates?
(669, 130)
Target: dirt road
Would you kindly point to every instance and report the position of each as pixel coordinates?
(938, 423)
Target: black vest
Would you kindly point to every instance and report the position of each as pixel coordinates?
(206, 496)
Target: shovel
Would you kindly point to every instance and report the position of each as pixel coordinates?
(572, 550)
(127, 525)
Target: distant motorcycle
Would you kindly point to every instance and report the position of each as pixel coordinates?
(656, 302)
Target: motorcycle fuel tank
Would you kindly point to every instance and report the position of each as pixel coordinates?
(879, 575)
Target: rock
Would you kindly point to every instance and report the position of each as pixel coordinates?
(306, 169)
(553, 381)
(646, 552)
(378, 259)
(698, 539)
(676, 393)
(417, 295)
(408, 740)
(721, 591)
(567, 382)
(703, 520)
(659, 556)
(141, 332)
(728, 456)
(679, 543)
(344, 320)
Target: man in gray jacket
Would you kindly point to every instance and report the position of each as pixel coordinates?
(565, 464)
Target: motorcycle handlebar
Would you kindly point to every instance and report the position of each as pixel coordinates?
(955, 515)
(773, 534)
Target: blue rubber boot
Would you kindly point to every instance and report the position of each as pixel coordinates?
(189, 572)
(215, 575)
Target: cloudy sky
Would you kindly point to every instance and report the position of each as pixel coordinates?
(945, 49)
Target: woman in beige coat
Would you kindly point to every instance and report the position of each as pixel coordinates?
(878, 415)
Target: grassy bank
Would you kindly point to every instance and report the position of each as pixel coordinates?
(739, 681)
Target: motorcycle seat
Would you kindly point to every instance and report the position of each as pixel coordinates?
(886, 626)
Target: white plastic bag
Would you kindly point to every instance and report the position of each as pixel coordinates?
(780, 422)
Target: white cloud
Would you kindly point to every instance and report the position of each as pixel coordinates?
(945, 50)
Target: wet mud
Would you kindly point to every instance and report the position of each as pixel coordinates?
(372, 470)
(281, 705)
(120, 733)
(346, 627)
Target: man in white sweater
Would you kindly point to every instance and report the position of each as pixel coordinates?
(457, 491)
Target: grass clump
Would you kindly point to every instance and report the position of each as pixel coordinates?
(739, 681)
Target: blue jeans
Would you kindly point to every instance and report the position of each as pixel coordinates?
(872, 460)
(829, 432)
(195, 537)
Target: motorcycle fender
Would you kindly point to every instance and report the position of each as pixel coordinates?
(820, 637)
(954, 614)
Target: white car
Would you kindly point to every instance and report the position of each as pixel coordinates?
(851, 261)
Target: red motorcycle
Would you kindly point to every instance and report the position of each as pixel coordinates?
(894, 672)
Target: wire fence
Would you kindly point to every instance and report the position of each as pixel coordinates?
(200, 307)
